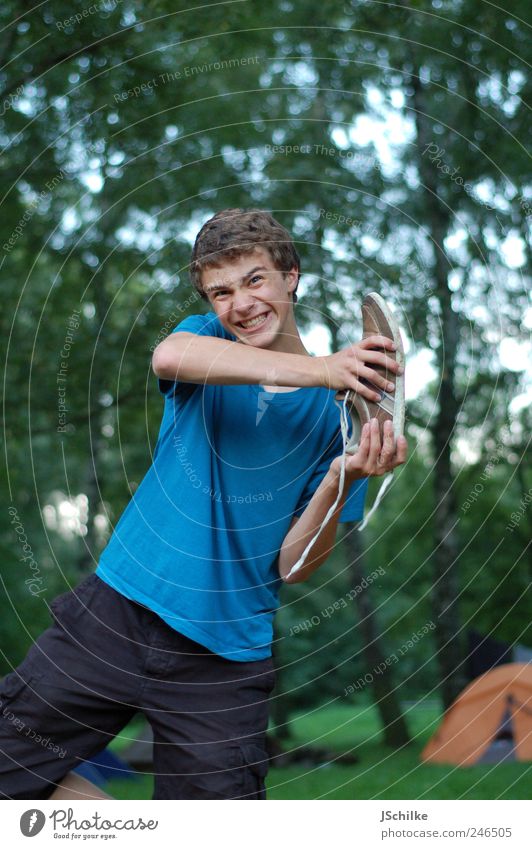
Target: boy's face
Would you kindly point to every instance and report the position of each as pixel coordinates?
(252, 299)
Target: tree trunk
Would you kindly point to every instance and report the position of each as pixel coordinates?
(524, 528)
(393, 722)
(382, 687)
(449, 643)
(93, 477)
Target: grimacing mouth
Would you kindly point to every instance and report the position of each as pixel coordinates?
(251, 318)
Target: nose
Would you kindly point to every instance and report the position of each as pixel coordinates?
(242, 301)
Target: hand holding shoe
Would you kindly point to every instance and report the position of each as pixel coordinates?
(373, 459)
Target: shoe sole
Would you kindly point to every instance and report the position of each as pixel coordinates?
(399, 394)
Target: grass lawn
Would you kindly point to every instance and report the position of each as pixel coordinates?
(381, 773)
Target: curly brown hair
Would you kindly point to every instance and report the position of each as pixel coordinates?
(233, 232)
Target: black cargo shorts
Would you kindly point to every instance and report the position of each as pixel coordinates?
(106, 657)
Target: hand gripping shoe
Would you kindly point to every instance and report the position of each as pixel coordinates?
(378, 320)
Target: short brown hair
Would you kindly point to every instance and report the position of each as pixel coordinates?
(233, 232)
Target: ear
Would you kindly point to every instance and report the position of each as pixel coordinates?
(291, 279)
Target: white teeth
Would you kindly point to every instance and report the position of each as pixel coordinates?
(253, 322)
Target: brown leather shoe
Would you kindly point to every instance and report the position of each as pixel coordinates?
(378, 320)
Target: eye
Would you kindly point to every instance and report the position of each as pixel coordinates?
(219, 293)
(256, 277)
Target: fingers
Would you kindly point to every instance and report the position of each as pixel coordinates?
(393, 452)
(372, 458)
(362, 389)
(402, 451)
(374, 445)
(366, 391)
(363, 445)
(377, 380)
(377, 342)
(355, 464)
(367, 361)
(370, 392)
(380, 358)
(359, 463)
(388, 446)
(361, 364)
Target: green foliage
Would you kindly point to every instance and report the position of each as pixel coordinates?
(126, 177)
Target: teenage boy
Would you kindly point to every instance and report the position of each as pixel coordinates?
(176, 621)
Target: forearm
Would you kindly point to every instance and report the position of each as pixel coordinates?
(205, 359)
(306, 528)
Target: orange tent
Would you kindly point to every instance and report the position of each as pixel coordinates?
(489, 722)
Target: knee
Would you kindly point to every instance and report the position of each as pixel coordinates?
(74, 786)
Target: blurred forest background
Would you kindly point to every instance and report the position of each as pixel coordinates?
(393, 141)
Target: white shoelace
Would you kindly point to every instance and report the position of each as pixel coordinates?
(382, 489)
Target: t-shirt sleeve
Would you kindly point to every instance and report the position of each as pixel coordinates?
(201, 325)
(353, 509)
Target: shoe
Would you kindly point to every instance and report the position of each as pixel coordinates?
(378, 320)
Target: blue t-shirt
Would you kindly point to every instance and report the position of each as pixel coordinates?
(199, 542)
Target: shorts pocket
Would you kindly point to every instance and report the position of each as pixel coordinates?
(10, 687)
(71, 604)
(18, 685)
(255, 764)
(259, 673)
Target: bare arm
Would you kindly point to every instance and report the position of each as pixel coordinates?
(205, 359)
(369, 461)
(303, 529)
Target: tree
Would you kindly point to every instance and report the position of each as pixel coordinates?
(123, 129)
